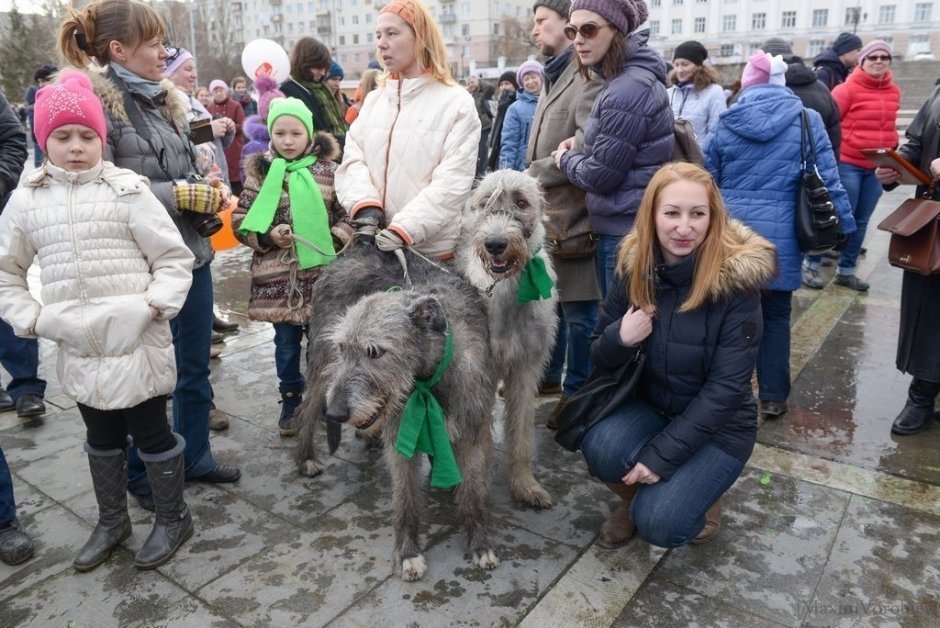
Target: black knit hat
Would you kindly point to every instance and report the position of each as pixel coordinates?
(558, 6)
(777, 46)
(846, 42)
(510, 76)
(691, 51)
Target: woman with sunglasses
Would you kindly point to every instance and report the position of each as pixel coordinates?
(868, 103)
(629, 135)
(148, 133)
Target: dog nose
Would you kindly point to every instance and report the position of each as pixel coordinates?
(495, 245)
(335, 412)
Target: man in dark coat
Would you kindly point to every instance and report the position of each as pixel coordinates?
(19, 356)
(803, 82)
(834, 63)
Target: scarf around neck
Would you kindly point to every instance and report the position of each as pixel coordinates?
(535, 283)
(139, 86)
(335, 119)
(309, 218)
(422, 426)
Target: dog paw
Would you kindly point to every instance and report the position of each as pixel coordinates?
(486, 559)
(413, 568)
(533, 495)
(311, 468)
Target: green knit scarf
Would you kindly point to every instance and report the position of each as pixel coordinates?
(309, 218)
(336, 121)
(423, 429)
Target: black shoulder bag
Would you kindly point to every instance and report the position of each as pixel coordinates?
(600, 395)
(817, 224)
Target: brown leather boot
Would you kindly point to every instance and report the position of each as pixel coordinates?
(618, 529)
(712, 523)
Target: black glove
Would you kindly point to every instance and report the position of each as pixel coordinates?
(367, 223)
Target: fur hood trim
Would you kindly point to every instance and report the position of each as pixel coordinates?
(324, 146)
(112, 99)
(749, 268)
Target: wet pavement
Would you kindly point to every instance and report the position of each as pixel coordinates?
(835, 522)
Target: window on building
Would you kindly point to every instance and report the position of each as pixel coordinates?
(788, 19)
(465, 30)
(820, 17)
(700, 25)
(342, 40)
(655, 3)
(368, 18)
(726, 50)
(814, 47)
(677, 2)
(753, 47)
(465, 8)
(729, 23)
(922, 11)
(370, 38)
(355, 19)
(919, 43)
(850, 15)
(758, 21)
(496, 29)
(355, 38)
(356, 57)
(654, 27)
(886, 14)
(677, 27)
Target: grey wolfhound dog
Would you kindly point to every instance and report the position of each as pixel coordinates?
(363, 364)
(502, 231)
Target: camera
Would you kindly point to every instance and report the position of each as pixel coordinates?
(205, 224)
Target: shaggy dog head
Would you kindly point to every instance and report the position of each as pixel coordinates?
(502, 226)
(381, 345)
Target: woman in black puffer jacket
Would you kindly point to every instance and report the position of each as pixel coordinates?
(687, 292)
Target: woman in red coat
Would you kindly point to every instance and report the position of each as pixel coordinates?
(868, 108)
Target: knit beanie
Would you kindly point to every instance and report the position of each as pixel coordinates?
(691, 51)
(70, 100)
(218, 83)
(846, 42)
(777, 46)
(182, 56)
(560, 7)
(528, 67)
(626, 15)
(872, 46)
(510, 76)
(267, 91)
(335, 70)
(763, 69)
(290, 107)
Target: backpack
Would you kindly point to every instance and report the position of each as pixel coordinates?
(686, 146)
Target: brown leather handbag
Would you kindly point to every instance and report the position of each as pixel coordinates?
(915, 234)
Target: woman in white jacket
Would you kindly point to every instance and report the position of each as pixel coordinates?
(114, 270)
(411, 154)
(696, 93)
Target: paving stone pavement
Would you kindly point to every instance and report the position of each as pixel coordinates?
(835, 522)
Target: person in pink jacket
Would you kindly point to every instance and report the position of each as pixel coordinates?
(868, 102)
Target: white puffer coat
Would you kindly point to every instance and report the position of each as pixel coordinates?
(107, 251)
(412, 151)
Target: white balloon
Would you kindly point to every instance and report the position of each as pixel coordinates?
(263, 56)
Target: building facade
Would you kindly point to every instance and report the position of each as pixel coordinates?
(732, 30)
(481, 36)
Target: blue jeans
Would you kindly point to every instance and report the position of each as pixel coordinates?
(287, 339)
(20, 357)
(864, 190)
(670, 512)
(7, 503)
(192, 329)
(607, 246)
(576, 320)
(773, 357)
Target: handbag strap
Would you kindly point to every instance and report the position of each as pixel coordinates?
(806, 136)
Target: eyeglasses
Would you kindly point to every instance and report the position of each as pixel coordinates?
(588, 31)
(879, 57)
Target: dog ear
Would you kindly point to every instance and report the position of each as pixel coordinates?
(427, 313)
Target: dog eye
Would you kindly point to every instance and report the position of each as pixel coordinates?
(522, 203)
(375, 352)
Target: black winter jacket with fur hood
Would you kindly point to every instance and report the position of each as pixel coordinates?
(699, 363)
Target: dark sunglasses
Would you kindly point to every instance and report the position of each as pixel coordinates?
(588, 31)
(879, 57)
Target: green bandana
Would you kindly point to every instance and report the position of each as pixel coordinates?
(422, 426)
(309, 218)
(535, 283)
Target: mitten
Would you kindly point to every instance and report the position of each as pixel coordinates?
(367, 223)
(198, 197)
